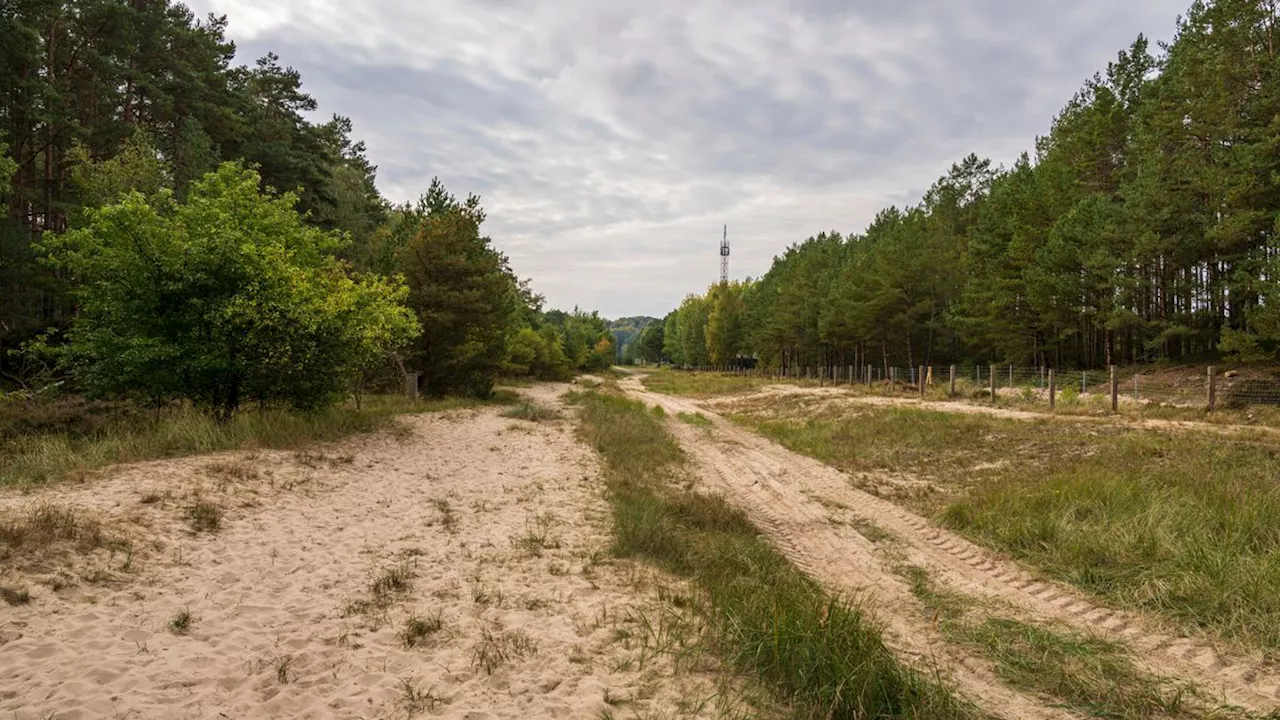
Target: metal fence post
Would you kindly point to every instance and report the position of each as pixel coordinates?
(1115, 390)
(1213, 388)
(1053, 391)
(952, 392)
(993, 383)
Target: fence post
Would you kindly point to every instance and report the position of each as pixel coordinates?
(1053, 391)
(850, 376)
(1084, 381)
(868, 376)
(1137, 392)
(1213, 388)
(1115, 390)
(921, 378)
(1011, 376)
(993, 383)
(952, 392)
(411, 385)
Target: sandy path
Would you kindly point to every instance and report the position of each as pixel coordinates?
(281, 585)
(788, 496)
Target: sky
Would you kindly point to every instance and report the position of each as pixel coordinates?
(610, 140)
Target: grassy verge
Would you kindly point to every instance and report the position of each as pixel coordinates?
(680, 382)
(1069, 402)
(1179, 523)
(1088, 674)
(69, 445)
(762, 614)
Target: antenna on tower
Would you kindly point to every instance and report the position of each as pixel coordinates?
(724, 256)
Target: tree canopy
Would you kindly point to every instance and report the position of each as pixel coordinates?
(1142, 227)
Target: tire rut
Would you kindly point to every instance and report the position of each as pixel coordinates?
(777, 488)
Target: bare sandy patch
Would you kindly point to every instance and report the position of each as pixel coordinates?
(457, 571)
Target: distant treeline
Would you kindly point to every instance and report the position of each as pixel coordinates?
(178, 227)
(1143, 227)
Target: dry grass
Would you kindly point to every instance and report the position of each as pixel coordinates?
(43, 526)
(86, 437)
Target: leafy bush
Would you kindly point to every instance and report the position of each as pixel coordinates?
(223, 298)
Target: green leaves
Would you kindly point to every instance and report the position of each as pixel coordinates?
(220, 299)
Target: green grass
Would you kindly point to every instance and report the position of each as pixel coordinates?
(1088, 674)
(1180, 523)
(695, 419)
(682, 382)
(761, 614)
(531, 412)
(48, 446)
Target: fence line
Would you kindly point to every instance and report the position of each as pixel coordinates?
(1034, 385)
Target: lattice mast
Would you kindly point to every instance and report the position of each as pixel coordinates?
(724, 256)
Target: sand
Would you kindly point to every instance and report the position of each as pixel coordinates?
(500, 524)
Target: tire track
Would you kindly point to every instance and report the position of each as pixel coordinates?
(776, 486)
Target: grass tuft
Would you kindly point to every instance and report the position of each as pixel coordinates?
(498, 647)
(531, 412)
(695, 419)
(181, 623)
(417, 630)
(15, 597)
(204, 517)
(392, 581)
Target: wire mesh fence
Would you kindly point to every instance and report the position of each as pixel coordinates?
(1213, 389)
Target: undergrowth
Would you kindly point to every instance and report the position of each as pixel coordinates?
(762, 615)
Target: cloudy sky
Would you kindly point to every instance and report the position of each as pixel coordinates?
(611, 139)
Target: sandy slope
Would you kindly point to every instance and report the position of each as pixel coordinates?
(303, 537)
(807, 508)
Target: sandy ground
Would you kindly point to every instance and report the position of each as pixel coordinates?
(814, 512)
(498, 525)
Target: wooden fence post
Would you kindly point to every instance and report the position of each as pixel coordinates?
(411, 385)
(993, 383)
(952, 391)
(1213, 388)
(921, 378)
(1115, 390)
(1053, 390)
(868, 376)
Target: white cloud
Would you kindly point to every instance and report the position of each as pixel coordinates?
(610, 141)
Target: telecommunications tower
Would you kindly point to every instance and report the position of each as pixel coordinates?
(724, 256)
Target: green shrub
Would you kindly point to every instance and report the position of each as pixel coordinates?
(223, 298)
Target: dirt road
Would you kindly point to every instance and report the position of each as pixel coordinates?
(495, 526)
(813, 511)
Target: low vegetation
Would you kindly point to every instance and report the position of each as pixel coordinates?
(56, 439)
(1179, 523)
(1091, 675)
(532, 412)
(760, 613)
